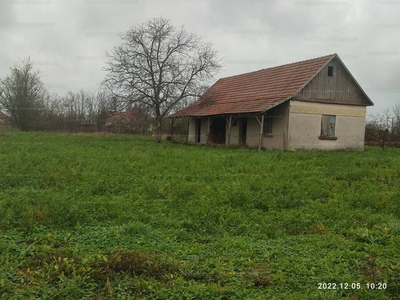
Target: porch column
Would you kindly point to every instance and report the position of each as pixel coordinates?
(261, 131)
(229, 120)
(188, 121)
(209, 121)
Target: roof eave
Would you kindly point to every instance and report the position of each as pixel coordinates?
(276, 104)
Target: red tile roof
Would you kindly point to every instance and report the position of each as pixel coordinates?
(255, 91)
(125, 115)
(132, 115)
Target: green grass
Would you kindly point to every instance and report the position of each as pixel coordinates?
(120, 217)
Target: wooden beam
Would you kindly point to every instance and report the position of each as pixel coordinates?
(209, 122)
(261, 131)
(187, 120)
(229, 120)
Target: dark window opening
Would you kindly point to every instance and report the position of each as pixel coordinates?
(234, 123)
(330, 71)
(268, 123)
(218, 131)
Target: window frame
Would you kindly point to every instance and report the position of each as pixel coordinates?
(328, 127)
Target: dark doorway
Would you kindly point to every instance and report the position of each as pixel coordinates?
(243, 131)
(218, 130)
(198, 131)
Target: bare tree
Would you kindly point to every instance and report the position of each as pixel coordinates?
(22, 94)
(159, 66)
(102, 109)
(209, 97)
(51, 112)
(396, 122)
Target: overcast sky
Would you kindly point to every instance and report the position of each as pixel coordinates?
(67, 40)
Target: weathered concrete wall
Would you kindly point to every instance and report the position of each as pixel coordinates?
(278, 139)
(305, 126)
(280, 119)
(234, 133)
(252, 132)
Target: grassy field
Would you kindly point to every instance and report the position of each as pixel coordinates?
(120, 217)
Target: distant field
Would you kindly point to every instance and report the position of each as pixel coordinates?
(121, 217)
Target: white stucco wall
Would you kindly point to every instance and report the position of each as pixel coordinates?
(305, 126)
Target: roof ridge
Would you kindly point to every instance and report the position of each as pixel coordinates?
(279, 66)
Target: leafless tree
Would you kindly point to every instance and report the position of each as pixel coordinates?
(396, 122)
(387, 122)
(159, 66)
(51, 112)
(84, 111)
(22, 94)
(102, 110)
(209, 97)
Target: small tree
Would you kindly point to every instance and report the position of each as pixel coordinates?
(159, 66)
(22, 94)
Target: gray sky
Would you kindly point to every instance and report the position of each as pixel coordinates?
(67, 40)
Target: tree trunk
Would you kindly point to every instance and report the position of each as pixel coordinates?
(158, 129)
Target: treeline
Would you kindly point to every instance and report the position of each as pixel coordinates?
(81, 111)
(89, 112)
(76, 111)
(30, 107)
(384, 128)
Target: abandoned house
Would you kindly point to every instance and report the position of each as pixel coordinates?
(134, 121)
(311, 104)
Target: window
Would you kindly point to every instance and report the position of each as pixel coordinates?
(328, 125)
(330, 71)
(268, 121)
